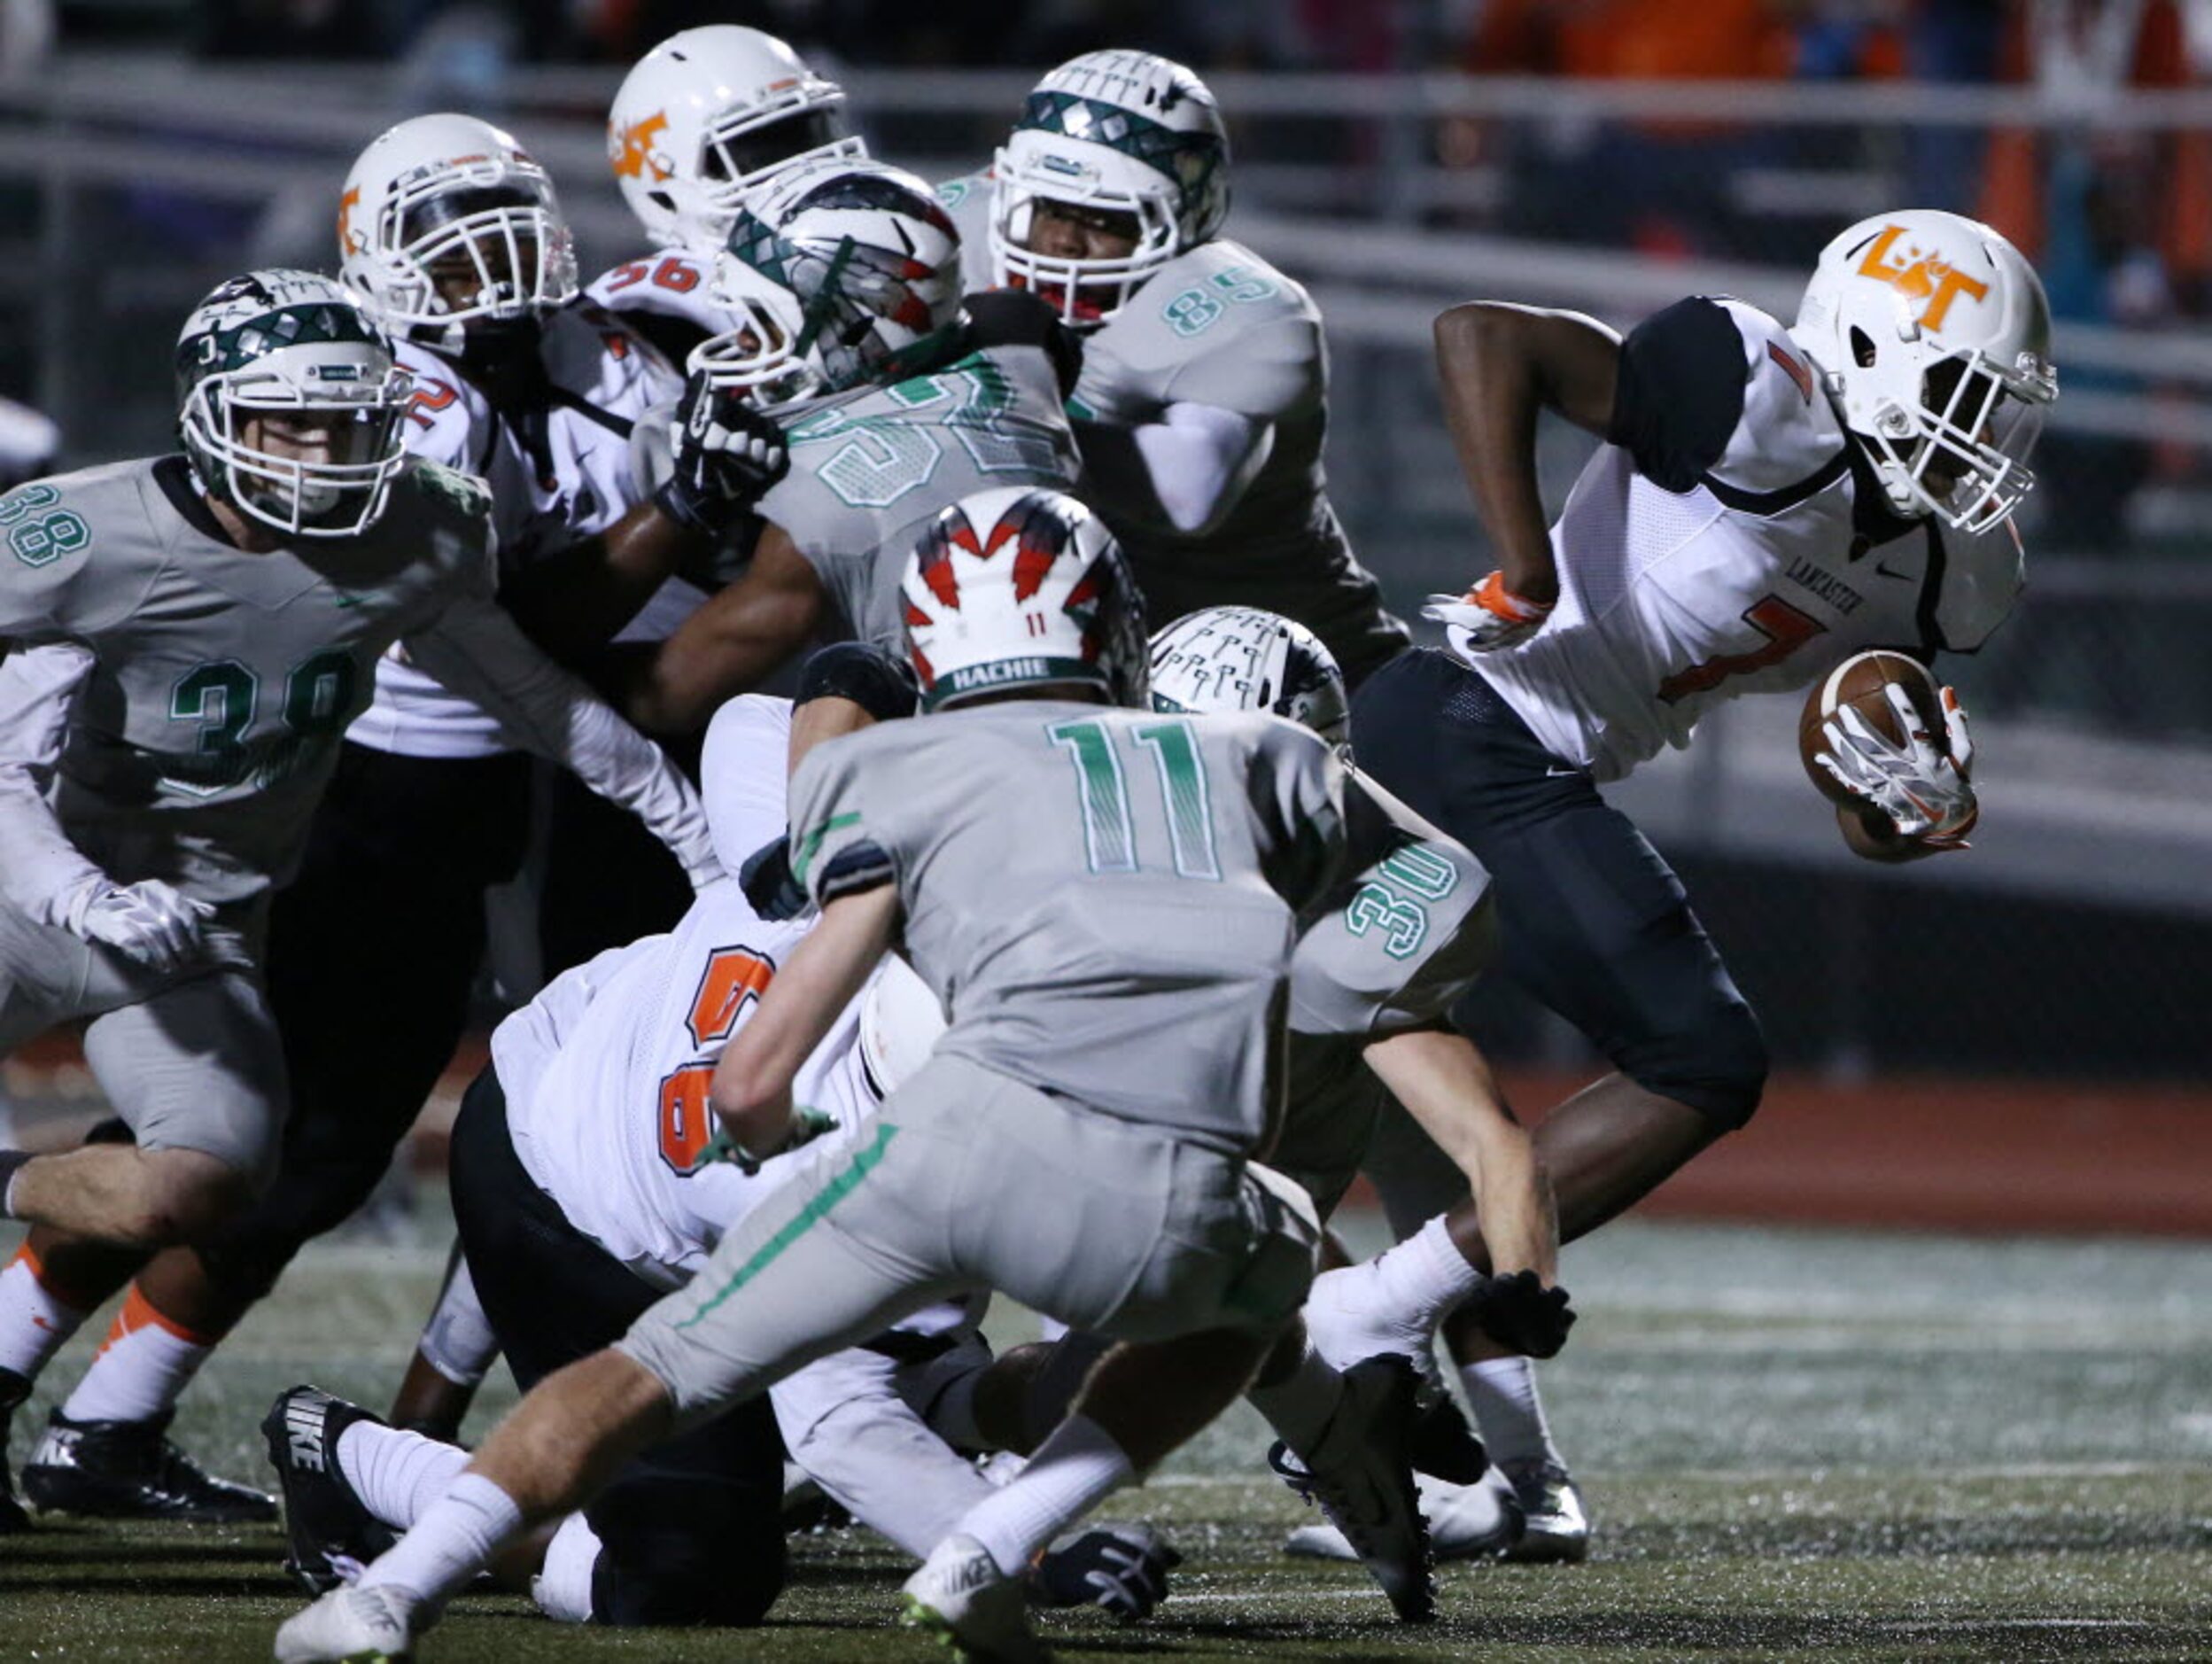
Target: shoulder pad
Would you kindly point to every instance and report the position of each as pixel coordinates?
(1789, 431)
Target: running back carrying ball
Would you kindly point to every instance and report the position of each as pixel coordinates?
(1861, 681)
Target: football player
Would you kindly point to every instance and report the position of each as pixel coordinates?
(1392, 947)
(702, 128)
(193, 634)
(1204, 395)
(1769, 500)
(586, 1185)
(895, 400)
(1109, 1197)
(455, 237)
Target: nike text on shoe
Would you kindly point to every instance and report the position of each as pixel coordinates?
(1360, 1473)
(331, 1536)
(1466, 1522)
(1558, 1526)
(130, 1470)
(961, 1597)
(349, 1626)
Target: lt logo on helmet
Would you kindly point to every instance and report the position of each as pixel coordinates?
(1921, 277)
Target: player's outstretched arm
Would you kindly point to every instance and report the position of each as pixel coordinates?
(1446, 1085)
(1183, 473)
(1502, 364)
(479, 652)
(730, 645)
(751, 1093)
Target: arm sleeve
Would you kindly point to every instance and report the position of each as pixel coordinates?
(1183, 473)
(834, 851)
(42, 871)
(1679, 396)
(479, 652)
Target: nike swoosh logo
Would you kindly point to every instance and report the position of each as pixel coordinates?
(1884, 569)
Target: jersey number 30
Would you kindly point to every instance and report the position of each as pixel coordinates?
(734, 978)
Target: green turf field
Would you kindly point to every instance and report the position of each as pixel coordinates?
(1798, 1444)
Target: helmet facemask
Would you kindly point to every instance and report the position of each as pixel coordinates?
(245, 426)
(744, 151)
(1959, 451)
(758, 355)
(468, 248)
(1085, 290)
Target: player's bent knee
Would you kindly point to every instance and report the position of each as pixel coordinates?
(683, 1555)
(1716, 1066)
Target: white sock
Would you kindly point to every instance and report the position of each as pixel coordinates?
(1298, 1406)
(34, 1321)
(563, 1587)
(1424, 1277)
(452, 1541)
(1508, 1412)
(1074, 1470)
(143, 1367)
(396, 1476)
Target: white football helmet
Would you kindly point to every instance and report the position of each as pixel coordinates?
(1115, 132)
(298, 349)
(1932, 334)
(708, 120)
(1019, 587)
(446, 223)
(1247, 659)
(847, 272)
(900, 1021)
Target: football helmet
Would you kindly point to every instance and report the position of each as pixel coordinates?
(297, 349)
(1247, 659)
(846, 272)
(900, 1021)
(1019, 587)
(1116, 132)
(1932, 334)
(450, 229)
(708, 120)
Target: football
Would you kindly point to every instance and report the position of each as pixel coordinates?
(1860, 682)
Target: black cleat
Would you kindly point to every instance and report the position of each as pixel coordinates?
(13, 1390)
(332, 1535)
(130, 1470)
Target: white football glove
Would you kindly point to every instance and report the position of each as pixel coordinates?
(1487, 617)
(148, 922)
(1921, 787)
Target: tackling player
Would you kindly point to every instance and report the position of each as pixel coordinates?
(1141, 898)
(1204, 395)
(1769, 502)
(193, 634)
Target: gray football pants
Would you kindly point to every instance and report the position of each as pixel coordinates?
(967, 1179)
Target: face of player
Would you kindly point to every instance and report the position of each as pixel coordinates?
(1069, 230)
(486, 276)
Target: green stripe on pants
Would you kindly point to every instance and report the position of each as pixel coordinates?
(830, 1195)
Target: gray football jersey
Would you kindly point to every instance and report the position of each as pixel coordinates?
(1219, 326)
(1391, 947)
(222, 681)
(1105, 900)
(870, 471)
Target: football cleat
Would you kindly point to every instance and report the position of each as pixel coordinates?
(962, 1600)
(1122, 1568)
(1466, 1522)
(1558, 1528)
(330, 1535)
(14, 1389)
(351, 1626)
(1361, 1473)
(131, 1470)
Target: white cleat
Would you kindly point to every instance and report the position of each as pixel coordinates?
(349, 1626)
(1558, 1526)
(1346, 1319)
(1466, 1522)
(961, 1599)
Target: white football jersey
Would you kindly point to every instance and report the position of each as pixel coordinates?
(1729, 540)
(663, 297)
(606, 1072)
(557, 457)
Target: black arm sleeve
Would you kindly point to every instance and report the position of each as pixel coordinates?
(1679, 393)
(878, 681)
(1014, 318)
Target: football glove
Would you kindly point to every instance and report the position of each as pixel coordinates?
(727, 456)
(1522, 1315)
(808, 1124)
(1121, 1567)
(148, 922)
(768, 883)
(1487, 617)
(1921, 787)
